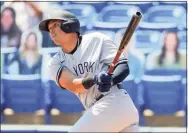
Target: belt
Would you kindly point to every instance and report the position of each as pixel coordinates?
(98, 98)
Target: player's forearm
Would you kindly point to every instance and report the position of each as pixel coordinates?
(73, 85)
(70, 82)
(77, 83)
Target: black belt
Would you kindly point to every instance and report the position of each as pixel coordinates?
(98, 98)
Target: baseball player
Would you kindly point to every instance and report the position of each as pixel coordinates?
(81, 67)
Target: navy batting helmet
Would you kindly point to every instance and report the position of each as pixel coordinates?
(69, 22)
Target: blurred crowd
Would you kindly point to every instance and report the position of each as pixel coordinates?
(19, 22)
(19, 30)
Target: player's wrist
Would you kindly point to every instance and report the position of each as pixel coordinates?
(88, 82)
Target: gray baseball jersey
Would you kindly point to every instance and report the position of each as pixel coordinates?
(94, 54)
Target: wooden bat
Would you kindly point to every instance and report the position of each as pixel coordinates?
(126, 38)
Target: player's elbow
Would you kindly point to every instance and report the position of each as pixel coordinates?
(127, 71)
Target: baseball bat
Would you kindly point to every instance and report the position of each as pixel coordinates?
(126, 38)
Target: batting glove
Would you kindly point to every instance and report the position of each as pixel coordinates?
(104, 80)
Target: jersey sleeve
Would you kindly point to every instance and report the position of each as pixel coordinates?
(109, 50)
(55, 67)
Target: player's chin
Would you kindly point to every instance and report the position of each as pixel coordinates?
(56, 42)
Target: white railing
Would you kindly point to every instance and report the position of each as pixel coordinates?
(66, 128)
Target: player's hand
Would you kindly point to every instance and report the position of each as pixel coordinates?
(104, 80)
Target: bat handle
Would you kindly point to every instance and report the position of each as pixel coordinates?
(110, 70)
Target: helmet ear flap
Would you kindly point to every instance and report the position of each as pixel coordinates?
(66, 27)
(71, 25)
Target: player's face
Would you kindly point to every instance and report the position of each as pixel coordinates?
(170, 42)
(55, 31)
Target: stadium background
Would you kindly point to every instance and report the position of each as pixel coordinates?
(30, 101)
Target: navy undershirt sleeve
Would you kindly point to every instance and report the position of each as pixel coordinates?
(121, 71)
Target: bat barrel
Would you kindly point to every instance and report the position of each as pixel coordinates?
(138, 13)
(130, 29)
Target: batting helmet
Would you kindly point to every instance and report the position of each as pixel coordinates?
(69, 22)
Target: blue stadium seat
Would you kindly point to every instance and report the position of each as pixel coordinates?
(162, 94)
(109, 33)
(2, 104)
(182, 39)
(166, 72)
(85, 13)
(114, 17)
(184, 80)
(179, 3)
(65, 101)
(2, 63)
(185, 98)
(164, 17)
(2, 98)
(146, 40)
(98, 5)
(142, 5)
(6, 54)
(24, 93)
